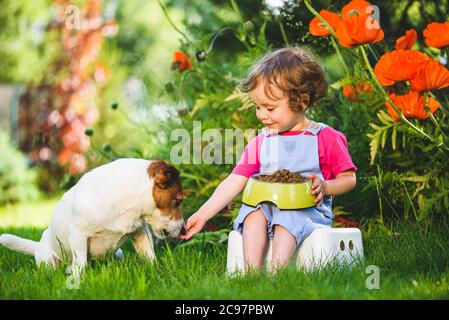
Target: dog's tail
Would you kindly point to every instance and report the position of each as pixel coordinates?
(18, 244)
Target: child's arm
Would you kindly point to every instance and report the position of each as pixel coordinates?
(343, 183)
(226, 191)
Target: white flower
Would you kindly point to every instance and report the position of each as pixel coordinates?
(275, 6)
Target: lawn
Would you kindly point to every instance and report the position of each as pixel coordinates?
(413, 264)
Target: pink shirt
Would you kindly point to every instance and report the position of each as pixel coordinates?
(332, 150)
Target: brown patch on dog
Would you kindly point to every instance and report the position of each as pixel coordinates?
(167, 189)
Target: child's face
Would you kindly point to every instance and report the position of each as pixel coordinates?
(276, 114)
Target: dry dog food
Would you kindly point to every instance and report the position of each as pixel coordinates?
(283, 176)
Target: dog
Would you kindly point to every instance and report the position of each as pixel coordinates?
(108, 204)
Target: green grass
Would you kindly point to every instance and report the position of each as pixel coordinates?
(413, 265)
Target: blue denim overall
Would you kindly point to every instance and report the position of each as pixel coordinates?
(296, 153)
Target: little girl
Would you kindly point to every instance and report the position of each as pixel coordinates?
(282, 85)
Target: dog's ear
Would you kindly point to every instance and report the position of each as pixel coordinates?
(164, 175)
(167, 176)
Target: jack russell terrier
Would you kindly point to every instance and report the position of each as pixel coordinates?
(108, 204)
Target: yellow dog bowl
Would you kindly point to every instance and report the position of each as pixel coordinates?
(284, 195)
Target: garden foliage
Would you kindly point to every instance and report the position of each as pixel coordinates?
(17, 181)
(386, 66)
(388, 97)
(55, 111)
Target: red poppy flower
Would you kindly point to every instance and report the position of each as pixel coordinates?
(407, 41)
(181, 61)
(430, 75)
(412, 105)
(317, 28)
(355, 30)
(358, 7)
(357, 25)
(436, 35)
(347, 223)
(64, 156)
(350, 91)
(398, 65)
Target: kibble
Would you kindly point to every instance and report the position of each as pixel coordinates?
(282, 176)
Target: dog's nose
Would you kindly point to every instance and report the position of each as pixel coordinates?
(183, 231)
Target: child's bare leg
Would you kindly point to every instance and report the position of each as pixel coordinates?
(284, 246)
(254, 240)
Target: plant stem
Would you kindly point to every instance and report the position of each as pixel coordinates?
(164, 9)
(216, 36)
(345, 66)
(411, 201)
(434, 120)
(236, 9)
(379, 194)
(373, 52)
(332, 32)
(284, 35)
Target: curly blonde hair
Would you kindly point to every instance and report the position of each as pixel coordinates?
(294, 72)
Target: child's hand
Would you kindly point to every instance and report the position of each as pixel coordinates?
(318, 188)
(194, 225)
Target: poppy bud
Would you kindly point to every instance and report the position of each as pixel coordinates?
(114, 105)
(266, 15)
(201, 55)
(89, 132)
(248, 26)
(106, 147)
(169, 87)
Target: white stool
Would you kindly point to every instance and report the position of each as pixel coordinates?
(323, 245)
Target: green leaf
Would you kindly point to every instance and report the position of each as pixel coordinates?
(338, 211)
(429, 148)
(395, 155)
(261, 37)
(374, 146)
(446, 200)
(421, 201)
(407, 206)
(437, 130)
(382, 117)
(384, 137)
(387, 116)
(236, 94)
(200, 103)
(393, 138)
(416, 179)
(339, 84)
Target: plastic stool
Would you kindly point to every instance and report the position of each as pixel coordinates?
(323, 245)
